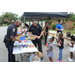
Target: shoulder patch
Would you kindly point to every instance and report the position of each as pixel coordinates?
(13, 29)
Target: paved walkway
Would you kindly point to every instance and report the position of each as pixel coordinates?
(4, 57)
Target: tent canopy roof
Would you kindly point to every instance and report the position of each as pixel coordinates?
(44, 15)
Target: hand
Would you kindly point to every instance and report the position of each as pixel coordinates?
(30, 35)
(60, 40)
(45, 34)
(38, 37)
(47, 50)
(61, 30)
(24, 31)
(19, 41)
(68, 44)
(55, 38)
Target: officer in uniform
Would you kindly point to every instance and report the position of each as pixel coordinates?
(36, 29)
(11, 33)
(12, 22)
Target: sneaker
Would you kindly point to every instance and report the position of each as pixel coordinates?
(70, 59)
(57, 60)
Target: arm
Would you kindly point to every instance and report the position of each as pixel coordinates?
(29, 34)
(56, 40)
(59, 29)
(45, 29)
(72, 44)
(13, 39)
(40, 35)
(50, 49)
(41, 32)
(20, 33)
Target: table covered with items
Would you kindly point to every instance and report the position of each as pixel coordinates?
(26, 46)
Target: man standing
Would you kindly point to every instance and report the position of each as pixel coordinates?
(36, 29)
(59, 28)
(12, 22)
(11, 33)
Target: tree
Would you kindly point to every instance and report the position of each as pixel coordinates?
(8, 15)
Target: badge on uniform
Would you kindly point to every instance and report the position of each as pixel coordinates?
(37, 26)
(13, 29)
(31, 28)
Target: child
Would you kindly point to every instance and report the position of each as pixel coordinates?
(61, 46)
(71, 47)
(50, 52)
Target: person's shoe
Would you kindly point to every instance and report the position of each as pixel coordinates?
(41, 58)
(60, 60)
(71, 60)
(57, 60)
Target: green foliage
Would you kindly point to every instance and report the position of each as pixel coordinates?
(8, 15)
(54, 26)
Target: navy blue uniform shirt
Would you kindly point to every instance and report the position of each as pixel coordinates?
(11, 31)
(36, 30)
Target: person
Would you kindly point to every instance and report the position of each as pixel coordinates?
(59, 28)
(36, 29)
(61, 46)
(46, 31)
(11, 33)
(12, 22)
(26, 27)
(71, 48)
(50, 51)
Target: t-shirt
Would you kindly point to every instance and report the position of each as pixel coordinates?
(62, 45)
(59, 26)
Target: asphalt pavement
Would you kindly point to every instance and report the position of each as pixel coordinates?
(4, 52)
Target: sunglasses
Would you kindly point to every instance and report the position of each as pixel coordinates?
(34, 23)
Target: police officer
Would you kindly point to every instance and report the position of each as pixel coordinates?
(11, 33)
(36, 29)
(12, 22)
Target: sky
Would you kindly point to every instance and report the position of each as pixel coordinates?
(19, 13)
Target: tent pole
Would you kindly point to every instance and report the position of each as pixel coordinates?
(68, 24)
(24, 19)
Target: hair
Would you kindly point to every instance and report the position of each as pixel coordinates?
(45, 23)
(34, 20)
(73, 37)
(59, 20)
(26, 25)
(52, 38)
(61, 34)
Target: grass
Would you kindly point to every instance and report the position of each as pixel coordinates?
(65, 31)
(3, 26)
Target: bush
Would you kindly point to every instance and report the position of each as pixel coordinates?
(72, 27)
(54, 26)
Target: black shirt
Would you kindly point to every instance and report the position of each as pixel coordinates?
(36, 30)
(62, 45)
(46, 29)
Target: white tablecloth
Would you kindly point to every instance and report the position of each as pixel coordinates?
(24, 50)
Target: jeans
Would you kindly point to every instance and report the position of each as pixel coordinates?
(60, 54)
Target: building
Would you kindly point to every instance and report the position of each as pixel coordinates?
(65, 26)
